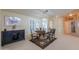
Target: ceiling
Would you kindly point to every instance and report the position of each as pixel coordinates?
(39, 12)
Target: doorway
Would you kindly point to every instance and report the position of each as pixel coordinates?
(73, 27)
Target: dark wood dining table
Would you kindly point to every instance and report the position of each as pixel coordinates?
(40, 32)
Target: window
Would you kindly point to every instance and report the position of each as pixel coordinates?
(45, 24)
(38, 23)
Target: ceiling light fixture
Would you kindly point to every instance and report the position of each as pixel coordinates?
(44, 11)
(70, 14)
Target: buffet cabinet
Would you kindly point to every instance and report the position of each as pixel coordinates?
(8, 37)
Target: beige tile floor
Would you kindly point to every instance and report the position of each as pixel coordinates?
(63, 42)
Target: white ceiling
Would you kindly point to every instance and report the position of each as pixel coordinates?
(38, 12)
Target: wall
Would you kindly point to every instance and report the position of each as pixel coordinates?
(23, 24)
(57, 23)
(50, 22)
(77, 26)
(0, 29)
(67, 27)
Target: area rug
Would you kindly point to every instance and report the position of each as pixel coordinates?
(43, 44)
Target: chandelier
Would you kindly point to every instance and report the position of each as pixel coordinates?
(44, 11)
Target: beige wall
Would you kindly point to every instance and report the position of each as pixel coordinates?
(0, 29)
(22, 26)
(57, 23)
(51, 22)
(67, 28)
(60, 25)
(77, 26)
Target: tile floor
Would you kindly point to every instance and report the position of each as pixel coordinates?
(63, 42)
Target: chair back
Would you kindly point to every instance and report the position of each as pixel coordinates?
(53, 31)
